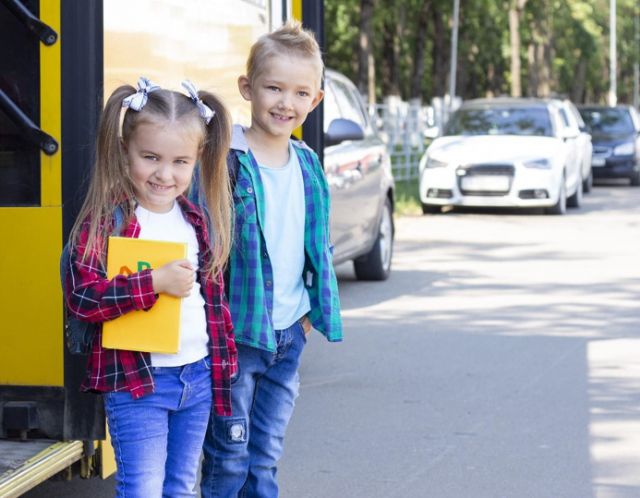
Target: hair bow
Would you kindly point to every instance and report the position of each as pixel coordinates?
(206, 112)
(139, 99)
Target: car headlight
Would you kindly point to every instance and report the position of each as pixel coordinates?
(434, 163)
(538, 163)
(625, 149)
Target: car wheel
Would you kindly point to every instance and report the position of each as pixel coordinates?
(635, 179)
(560, 207)
(575, 201)
(587, 184)
(430, 209)
(376, 264)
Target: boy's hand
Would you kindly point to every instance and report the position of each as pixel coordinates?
(175, 278)
(306, 325)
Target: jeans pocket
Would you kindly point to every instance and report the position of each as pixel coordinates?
(303, 333)
(236, 376)
(206, 361)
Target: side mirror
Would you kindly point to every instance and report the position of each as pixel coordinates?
(432, 132)
(567, 133)
(341, 130)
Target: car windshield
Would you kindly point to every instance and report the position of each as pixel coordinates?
(607, 121)
(500, 121)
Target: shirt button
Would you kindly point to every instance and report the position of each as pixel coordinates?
(265, 254)
(249, 190)
(268, 283)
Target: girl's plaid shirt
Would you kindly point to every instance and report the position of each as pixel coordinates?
(91, 297)
(250, 275)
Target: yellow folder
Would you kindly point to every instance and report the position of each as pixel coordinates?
(158, 329)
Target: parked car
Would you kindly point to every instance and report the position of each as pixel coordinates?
(358, 170)
(583, 142)
(615, 132)
(503, 152)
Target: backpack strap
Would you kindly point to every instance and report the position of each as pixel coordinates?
(79, 334)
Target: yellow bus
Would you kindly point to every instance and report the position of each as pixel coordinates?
(58, 61)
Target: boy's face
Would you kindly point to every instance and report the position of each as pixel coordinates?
(282, 94)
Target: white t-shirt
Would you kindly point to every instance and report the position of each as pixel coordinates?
(173, 227)
(284, 235)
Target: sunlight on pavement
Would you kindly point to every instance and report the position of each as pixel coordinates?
(614, 389)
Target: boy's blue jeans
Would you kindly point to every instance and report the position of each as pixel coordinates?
(158, 438)
(241, 451)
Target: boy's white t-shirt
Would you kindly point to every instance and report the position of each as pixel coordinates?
(284, 235)
(194, 339)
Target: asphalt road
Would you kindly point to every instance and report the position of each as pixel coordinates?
(500, 360)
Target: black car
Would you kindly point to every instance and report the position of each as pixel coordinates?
(615, 134)
(358, 169)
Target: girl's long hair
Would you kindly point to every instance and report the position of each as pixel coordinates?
(111, 184)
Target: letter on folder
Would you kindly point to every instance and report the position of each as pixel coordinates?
(158, 329)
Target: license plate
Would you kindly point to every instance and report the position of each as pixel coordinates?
(598, 161)
(486, 183)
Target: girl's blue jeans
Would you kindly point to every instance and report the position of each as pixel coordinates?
(158, 438)
(241, 452)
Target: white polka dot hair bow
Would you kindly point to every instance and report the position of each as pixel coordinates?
(205, 111)
(139, 99)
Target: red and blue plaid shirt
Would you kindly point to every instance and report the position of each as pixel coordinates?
(94, 298)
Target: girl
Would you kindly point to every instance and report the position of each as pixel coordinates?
(158, 405)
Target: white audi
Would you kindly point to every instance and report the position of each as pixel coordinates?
(504, 152)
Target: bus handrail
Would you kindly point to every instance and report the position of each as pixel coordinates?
(34, 134)
(43, 31)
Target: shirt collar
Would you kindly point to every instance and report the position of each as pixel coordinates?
(238, 142)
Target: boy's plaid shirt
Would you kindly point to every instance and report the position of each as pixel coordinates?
(94, 298)
(250, 275)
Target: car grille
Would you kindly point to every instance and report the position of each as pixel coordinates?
(485, 179)
(601, 151)
(440, 193)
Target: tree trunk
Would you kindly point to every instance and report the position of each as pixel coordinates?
(440, 55)
(393, 28)
(366, 66)
(578, 93)
(421, 44)
(532, 63)
(515, 14)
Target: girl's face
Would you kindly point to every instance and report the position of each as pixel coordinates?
(161, 161)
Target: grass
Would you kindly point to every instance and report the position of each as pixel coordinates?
(407, 199)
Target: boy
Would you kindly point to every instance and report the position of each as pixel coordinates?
(281, 281)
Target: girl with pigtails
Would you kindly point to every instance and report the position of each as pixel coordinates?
(158, 405)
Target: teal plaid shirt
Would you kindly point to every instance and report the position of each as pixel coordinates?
(250, 275)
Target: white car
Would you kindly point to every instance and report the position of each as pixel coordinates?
(503, 152)
(572, 118)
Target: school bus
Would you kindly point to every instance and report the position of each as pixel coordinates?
(59, 59)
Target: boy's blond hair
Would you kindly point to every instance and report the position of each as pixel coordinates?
(290, 39)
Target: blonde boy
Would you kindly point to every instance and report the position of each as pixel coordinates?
(281, 281)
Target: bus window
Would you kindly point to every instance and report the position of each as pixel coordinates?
(207, 43)
(19, 80)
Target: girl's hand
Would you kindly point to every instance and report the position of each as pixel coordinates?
(175, 278)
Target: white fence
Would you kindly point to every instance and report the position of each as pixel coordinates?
(405, 127)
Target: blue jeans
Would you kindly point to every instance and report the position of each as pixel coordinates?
(158, 438)
(241, 451)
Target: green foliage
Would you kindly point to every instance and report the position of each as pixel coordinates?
(571, 36)
(407, 198)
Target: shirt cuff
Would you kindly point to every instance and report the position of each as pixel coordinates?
(141, 289)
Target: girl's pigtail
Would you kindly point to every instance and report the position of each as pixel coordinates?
(109, 185)
(215, 180)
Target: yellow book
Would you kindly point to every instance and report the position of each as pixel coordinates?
(158, 329)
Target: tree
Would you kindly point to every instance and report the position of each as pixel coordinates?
(516, 8)
(366, 65)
